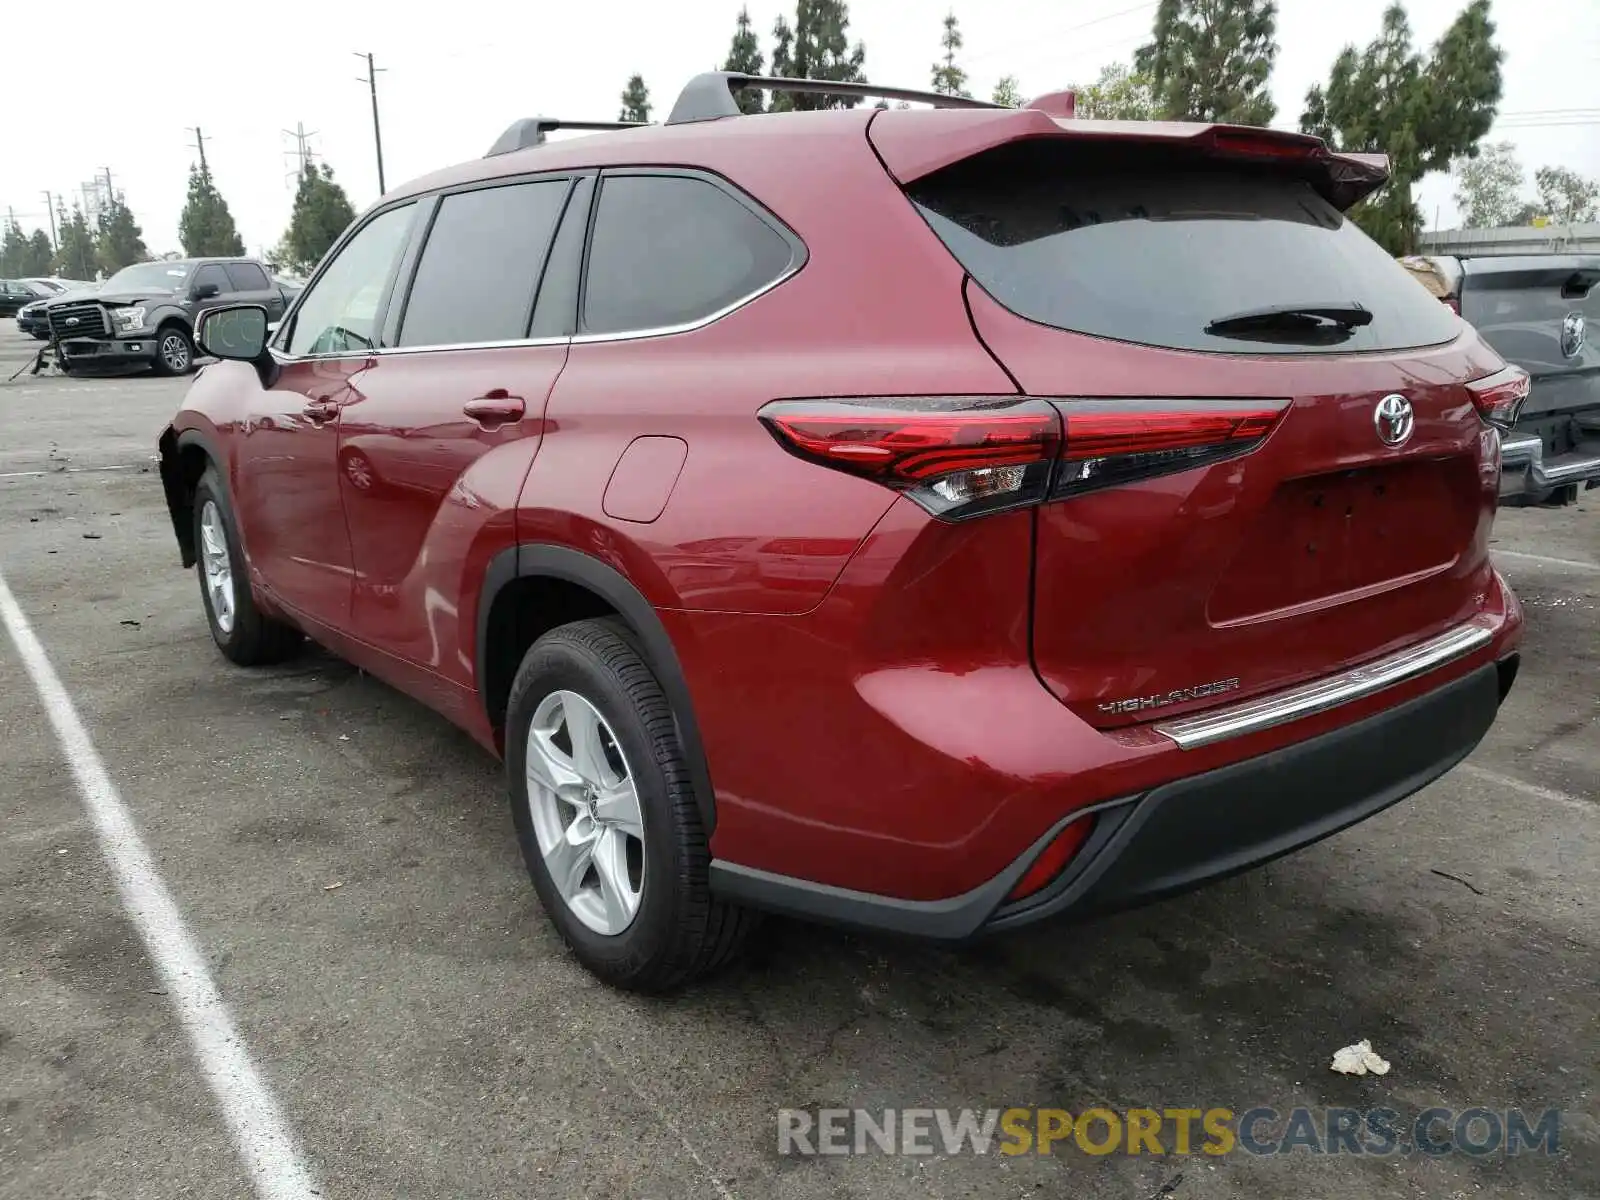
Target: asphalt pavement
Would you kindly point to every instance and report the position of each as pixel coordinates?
(345, 862)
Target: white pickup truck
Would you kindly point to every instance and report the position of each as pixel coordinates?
(1537, 311)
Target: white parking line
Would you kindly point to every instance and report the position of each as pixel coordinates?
(69, 471)
(1521, 785)
(1569, 563)
(260, 1133)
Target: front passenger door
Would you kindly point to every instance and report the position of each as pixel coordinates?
(287, 474)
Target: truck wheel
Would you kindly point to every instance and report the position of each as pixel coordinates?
(174, 351)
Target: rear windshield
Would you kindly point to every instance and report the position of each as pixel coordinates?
(1146, 245)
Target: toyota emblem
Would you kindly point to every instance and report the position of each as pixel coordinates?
(72, 320)
(1394, 420)
(1572, 335)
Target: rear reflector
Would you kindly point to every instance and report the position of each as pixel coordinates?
(962, 456)
(1499, 397)
(1052, 859)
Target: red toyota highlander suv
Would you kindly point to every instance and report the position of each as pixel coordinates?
(930, 520)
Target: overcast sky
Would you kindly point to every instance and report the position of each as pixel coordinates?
(121, 91)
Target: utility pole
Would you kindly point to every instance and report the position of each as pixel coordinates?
(50, 207)
(200, 146)
(303, 153)
(377, 138)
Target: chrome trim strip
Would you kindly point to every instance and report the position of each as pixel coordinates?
(582, 339)
(1250, 716)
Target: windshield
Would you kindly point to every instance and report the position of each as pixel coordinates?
(151, 277)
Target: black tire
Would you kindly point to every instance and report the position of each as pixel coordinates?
(681, 932)
(252, 638)
(174, 351)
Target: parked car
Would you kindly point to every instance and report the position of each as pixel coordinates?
(31, 319)
(16, 293)
(1535, 309)
(144, 315)
(840, 513)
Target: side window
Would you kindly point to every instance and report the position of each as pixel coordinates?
(339, 313)
(669, 250)
(214, 274)
(246, 277)
(478, 271)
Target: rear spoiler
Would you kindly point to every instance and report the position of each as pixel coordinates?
(913, 146)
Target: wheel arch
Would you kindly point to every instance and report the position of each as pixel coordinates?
(184, 457)
(581, 586)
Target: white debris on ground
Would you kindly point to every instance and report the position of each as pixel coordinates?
(1359, 1060)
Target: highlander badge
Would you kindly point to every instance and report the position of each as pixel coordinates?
(1180, 696)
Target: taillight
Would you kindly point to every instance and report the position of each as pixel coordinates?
(957, 456)
(1117, 441)
(1499, 397)
(962, 456)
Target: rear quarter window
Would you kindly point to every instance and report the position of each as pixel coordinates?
(1147, 245)
(671, 250)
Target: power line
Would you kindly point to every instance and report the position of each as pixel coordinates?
(1039, 35)
(377, 138)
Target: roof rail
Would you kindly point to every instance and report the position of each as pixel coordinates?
(710, 96)
(530, 131)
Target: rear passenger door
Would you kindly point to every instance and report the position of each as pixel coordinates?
(471, 348)
(249, 284)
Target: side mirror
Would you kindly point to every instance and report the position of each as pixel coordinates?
(236, 331)
(206, 290)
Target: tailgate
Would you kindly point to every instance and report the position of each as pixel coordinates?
(1537, 311)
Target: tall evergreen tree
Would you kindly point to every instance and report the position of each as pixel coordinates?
(76, 256)
(1008, 92)
(635, 101)
(13, 251)
(816, 47)
(948, 78)
(206, 226)
(1209, 60)
(321, 213)
(40, 252)
(1422, 113)
(744, 56)
(119, 242)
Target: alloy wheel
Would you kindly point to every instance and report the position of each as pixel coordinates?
(175, 353)
(217, 566)
(585, 811)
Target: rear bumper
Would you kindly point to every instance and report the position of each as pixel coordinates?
(1548, 453)
(1190, 831)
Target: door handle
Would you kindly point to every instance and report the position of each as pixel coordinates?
(321, 410)
(495, 408)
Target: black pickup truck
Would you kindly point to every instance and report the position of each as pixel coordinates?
(1536, 311)
(146, 314)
